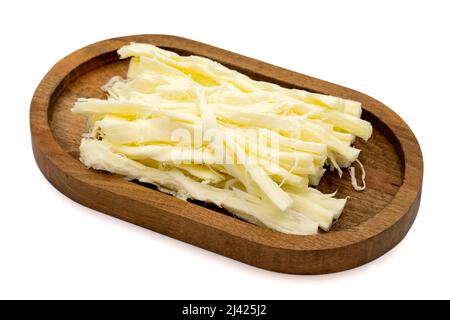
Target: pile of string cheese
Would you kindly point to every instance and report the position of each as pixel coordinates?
(199, 130)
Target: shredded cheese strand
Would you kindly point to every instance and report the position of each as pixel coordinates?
(363, 177)
(334, 164)
(230, 183)
(289, 172)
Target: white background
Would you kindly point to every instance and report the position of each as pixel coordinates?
(395, 51)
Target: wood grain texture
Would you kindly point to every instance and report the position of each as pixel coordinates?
(373, 221)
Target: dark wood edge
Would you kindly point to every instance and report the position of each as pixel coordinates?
(396, 218)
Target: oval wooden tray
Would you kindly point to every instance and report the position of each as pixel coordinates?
(373, 221)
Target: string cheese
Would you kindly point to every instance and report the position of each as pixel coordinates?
(199, 130)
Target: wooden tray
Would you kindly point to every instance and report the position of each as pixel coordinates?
(373, 221)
